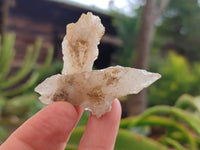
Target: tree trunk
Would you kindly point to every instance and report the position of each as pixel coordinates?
(4, 9)
(137, 103)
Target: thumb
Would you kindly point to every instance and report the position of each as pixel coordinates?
(49, 129)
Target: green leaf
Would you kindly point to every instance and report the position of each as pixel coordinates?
(71, 147)
(126, 140)
(19, 105)
(174, 143)
(188, 118)
(12, 92)
(28, 65)
(6, 54)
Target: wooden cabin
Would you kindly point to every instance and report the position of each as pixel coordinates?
(30, 19)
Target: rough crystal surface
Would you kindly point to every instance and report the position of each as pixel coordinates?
(95, 90)
(78, 84)
(79, 46)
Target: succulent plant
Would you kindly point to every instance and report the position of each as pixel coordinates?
(17, 98)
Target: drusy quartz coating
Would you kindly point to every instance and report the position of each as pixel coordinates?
(78, 84)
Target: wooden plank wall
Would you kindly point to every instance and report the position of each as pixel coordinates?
(27, 32)
(30, 19)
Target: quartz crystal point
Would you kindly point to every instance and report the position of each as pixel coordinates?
(78, 84)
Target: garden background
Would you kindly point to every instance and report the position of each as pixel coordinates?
(156, 35)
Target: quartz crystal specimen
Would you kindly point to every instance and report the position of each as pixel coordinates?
(78, 84)
(79, 46)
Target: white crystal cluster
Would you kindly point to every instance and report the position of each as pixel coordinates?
(78, 84)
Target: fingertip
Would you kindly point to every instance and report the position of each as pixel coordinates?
(114, 114)
(63, 110)
(116, 109)
(99, 128)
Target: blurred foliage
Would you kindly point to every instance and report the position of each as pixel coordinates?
(178, 77)
(126, 140)
(17, 99)
(28, 69)
(190, 104)
(178, 28)
(127, 28)
(179, 125)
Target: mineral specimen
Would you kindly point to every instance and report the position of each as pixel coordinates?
(79, 46)
(78, 84)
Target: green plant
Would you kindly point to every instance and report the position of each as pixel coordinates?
(178, 77)
(29, 67)
(179, 125)
(126, 140)
(190, 104)
(175, 122)
(17, 99)
(126, 31)
(179, 28)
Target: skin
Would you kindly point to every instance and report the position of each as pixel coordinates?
(51, 128)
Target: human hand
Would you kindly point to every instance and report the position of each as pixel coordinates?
(50, 129)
